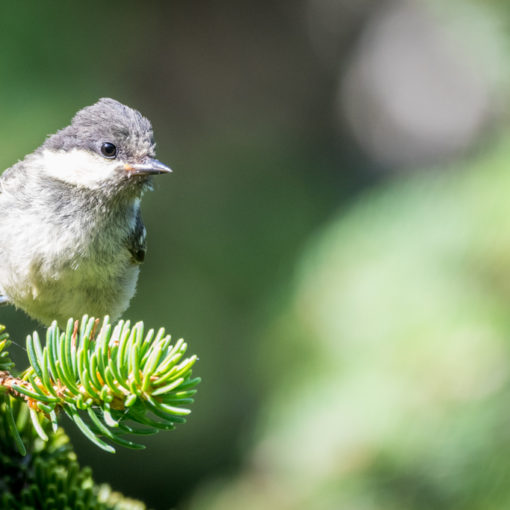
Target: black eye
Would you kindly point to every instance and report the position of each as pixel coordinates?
(108, 150)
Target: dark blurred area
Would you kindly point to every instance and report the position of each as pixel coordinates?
(333, 242)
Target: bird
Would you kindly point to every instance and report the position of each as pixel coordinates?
(71, 233)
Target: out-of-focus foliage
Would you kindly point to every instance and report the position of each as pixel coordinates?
(393, 385)
(397, 390)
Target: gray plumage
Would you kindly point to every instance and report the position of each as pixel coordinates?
(107, 120)
(71, 233)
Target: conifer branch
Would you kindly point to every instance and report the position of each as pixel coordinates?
(110, 381)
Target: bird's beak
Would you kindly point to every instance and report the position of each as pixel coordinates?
(149, 167)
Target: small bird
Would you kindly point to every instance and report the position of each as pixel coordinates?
(71, 234)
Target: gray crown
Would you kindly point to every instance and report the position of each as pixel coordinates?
(106, 121)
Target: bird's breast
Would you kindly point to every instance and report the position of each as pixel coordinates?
(70, 264)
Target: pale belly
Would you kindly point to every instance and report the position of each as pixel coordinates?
(54, 272)
(60, 293)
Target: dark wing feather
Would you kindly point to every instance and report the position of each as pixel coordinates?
(137, 243)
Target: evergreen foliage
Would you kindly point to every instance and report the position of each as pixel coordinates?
(111, 381)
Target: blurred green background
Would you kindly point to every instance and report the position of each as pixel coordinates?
(334, 241)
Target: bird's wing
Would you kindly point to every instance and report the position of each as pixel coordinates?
(136, 243)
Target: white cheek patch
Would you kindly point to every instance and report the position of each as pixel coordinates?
(78, 167)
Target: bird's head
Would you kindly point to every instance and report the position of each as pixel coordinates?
(108, 146)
